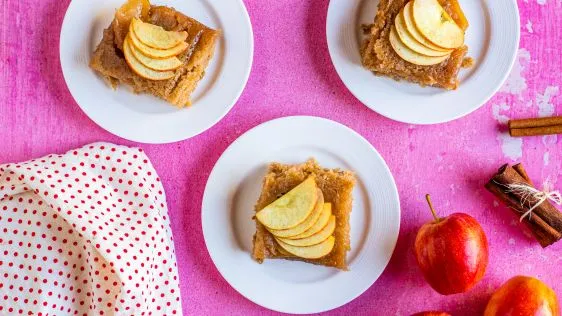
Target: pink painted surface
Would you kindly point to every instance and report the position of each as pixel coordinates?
(292, 74)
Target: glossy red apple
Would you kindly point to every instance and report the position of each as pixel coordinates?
(522, 296)
(432, 313)
(452, 252)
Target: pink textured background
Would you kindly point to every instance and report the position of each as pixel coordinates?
(292, 74)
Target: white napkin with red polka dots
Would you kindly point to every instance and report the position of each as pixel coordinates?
(86, 233)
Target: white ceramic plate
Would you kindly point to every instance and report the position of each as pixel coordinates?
(142, 117)
(235, 184)
(492, 38)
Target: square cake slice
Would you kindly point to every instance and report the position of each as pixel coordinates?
(109, 60)
(336, 186)
(379, 56)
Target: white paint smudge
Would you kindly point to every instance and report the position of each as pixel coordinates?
(512, 148)
(516, 83)
(496, 203)
(496, 109)
(546, 108)
(529, 26)
(511, 241)
(541, 2)
(548, 140)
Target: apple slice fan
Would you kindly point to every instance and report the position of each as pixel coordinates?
(86, 233)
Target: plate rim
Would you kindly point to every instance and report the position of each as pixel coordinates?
(169, 140)
(482, 102)
(395, 199)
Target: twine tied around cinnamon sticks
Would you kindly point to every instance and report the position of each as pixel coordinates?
(513, 187)
(531, 195)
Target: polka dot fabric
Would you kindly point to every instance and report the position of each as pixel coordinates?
(86, 233)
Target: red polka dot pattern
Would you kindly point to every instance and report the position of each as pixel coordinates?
(86, 233)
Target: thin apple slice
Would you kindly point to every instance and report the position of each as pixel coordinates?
(315, 239)
(142, 70)
(411, 27)
(320, 223)
(156, 36)
(435, 24)
(409, 55)
(292, 208)
(311, 252)
(154, 52)
(411, 42)
(171, 63)
(283, 252)
(308, 223)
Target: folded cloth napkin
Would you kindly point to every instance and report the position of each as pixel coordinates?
(86, 233)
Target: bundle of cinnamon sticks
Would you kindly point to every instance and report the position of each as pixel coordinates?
(545, 220)
(535, 126)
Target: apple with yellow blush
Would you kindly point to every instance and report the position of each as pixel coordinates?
(523, 295)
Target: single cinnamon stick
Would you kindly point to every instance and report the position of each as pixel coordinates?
(545, 221)
(535, 122)
(535, 131)
(523, 173)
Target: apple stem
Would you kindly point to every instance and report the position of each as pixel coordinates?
(428, 198)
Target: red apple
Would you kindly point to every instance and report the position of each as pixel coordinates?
(452, 252)
(522, 295)
(432, 313)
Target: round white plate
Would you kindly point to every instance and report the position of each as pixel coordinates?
(235, 184)
(142, 117)
(492, 39)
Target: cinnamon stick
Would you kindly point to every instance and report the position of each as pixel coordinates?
(543, 233)
(535, 126)
(535, 122)
(536, 131)
(523, 173)
(545, 222)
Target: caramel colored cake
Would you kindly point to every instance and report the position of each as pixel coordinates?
(109, 61)
(379, 56)
(336, 186)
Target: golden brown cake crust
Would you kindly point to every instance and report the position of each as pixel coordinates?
(108, 60)
(336, 185)
(379, 56)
